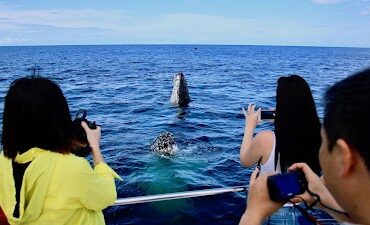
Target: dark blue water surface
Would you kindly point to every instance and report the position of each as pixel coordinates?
(127, 89)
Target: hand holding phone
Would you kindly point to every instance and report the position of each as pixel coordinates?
(252, 116)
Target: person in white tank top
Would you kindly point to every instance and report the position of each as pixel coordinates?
(296, 136)
(269, 165)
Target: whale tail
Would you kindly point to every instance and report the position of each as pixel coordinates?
(164, 144)
(180, 92)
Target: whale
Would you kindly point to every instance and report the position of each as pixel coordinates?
(164, 144)
(180, 91)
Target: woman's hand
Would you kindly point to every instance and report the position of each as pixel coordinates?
(248, 154)
(93, 137)
(252, 117)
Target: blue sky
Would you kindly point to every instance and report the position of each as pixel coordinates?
(249, 22)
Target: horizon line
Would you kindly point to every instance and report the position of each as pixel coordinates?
(190, 44)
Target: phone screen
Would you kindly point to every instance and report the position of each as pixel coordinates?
(267, 114)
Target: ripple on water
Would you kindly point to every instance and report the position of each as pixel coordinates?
(127, 88)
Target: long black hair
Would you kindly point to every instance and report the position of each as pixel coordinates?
(297, 125)
(36, 114)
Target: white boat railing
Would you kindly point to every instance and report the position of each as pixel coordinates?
(178, 195)
(190, 194)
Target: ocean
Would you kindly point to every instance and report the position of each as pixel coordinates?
(126, 89)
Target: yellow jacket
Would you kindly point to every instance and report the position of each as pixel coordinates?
(57, 189)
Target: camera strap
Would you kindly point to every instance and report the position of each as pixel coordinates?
(318, 199)
(259, 166)
(306, 214)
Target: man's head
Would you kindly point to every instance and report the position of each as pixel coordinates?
(345, 149)
(347, 114)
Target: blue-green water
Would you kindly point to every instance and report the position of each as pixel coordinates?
(127, 89)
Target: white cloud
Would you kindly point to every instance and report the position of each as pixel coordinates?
(11, 40)
(366, 12)
(190, 28)
(328, 1)
(360, 3)
(114, 26)
(83, 18)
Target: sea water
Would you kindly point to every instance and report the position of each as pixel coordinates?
(126, 89)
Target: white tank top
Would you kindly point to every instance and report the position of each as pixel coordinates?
(269, 166)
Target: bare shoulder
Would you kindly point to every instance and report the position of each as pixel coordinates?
(264, 136)
(264, 141)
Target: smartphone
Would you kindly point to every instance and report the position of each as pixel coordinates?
(283, 187)
(267, 114)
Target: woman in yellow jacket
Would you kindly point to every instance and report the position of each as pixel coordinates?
(41, 181)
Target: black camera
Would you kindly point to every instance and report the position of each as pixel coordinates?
(81, 145)
(267, 114)
(283, 187)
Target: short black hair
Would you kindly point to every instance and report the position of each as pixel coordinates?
(36, 114)
(347, 113)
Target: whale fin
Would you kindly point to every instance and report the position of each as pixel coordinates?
(180, 91)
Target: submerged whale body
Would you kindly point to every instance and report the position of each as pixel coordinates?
(164, 144)
(180, 92)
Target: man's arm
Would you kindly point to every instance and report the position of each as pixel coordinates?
(317, 186)
(259, 204)
(250, 219)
